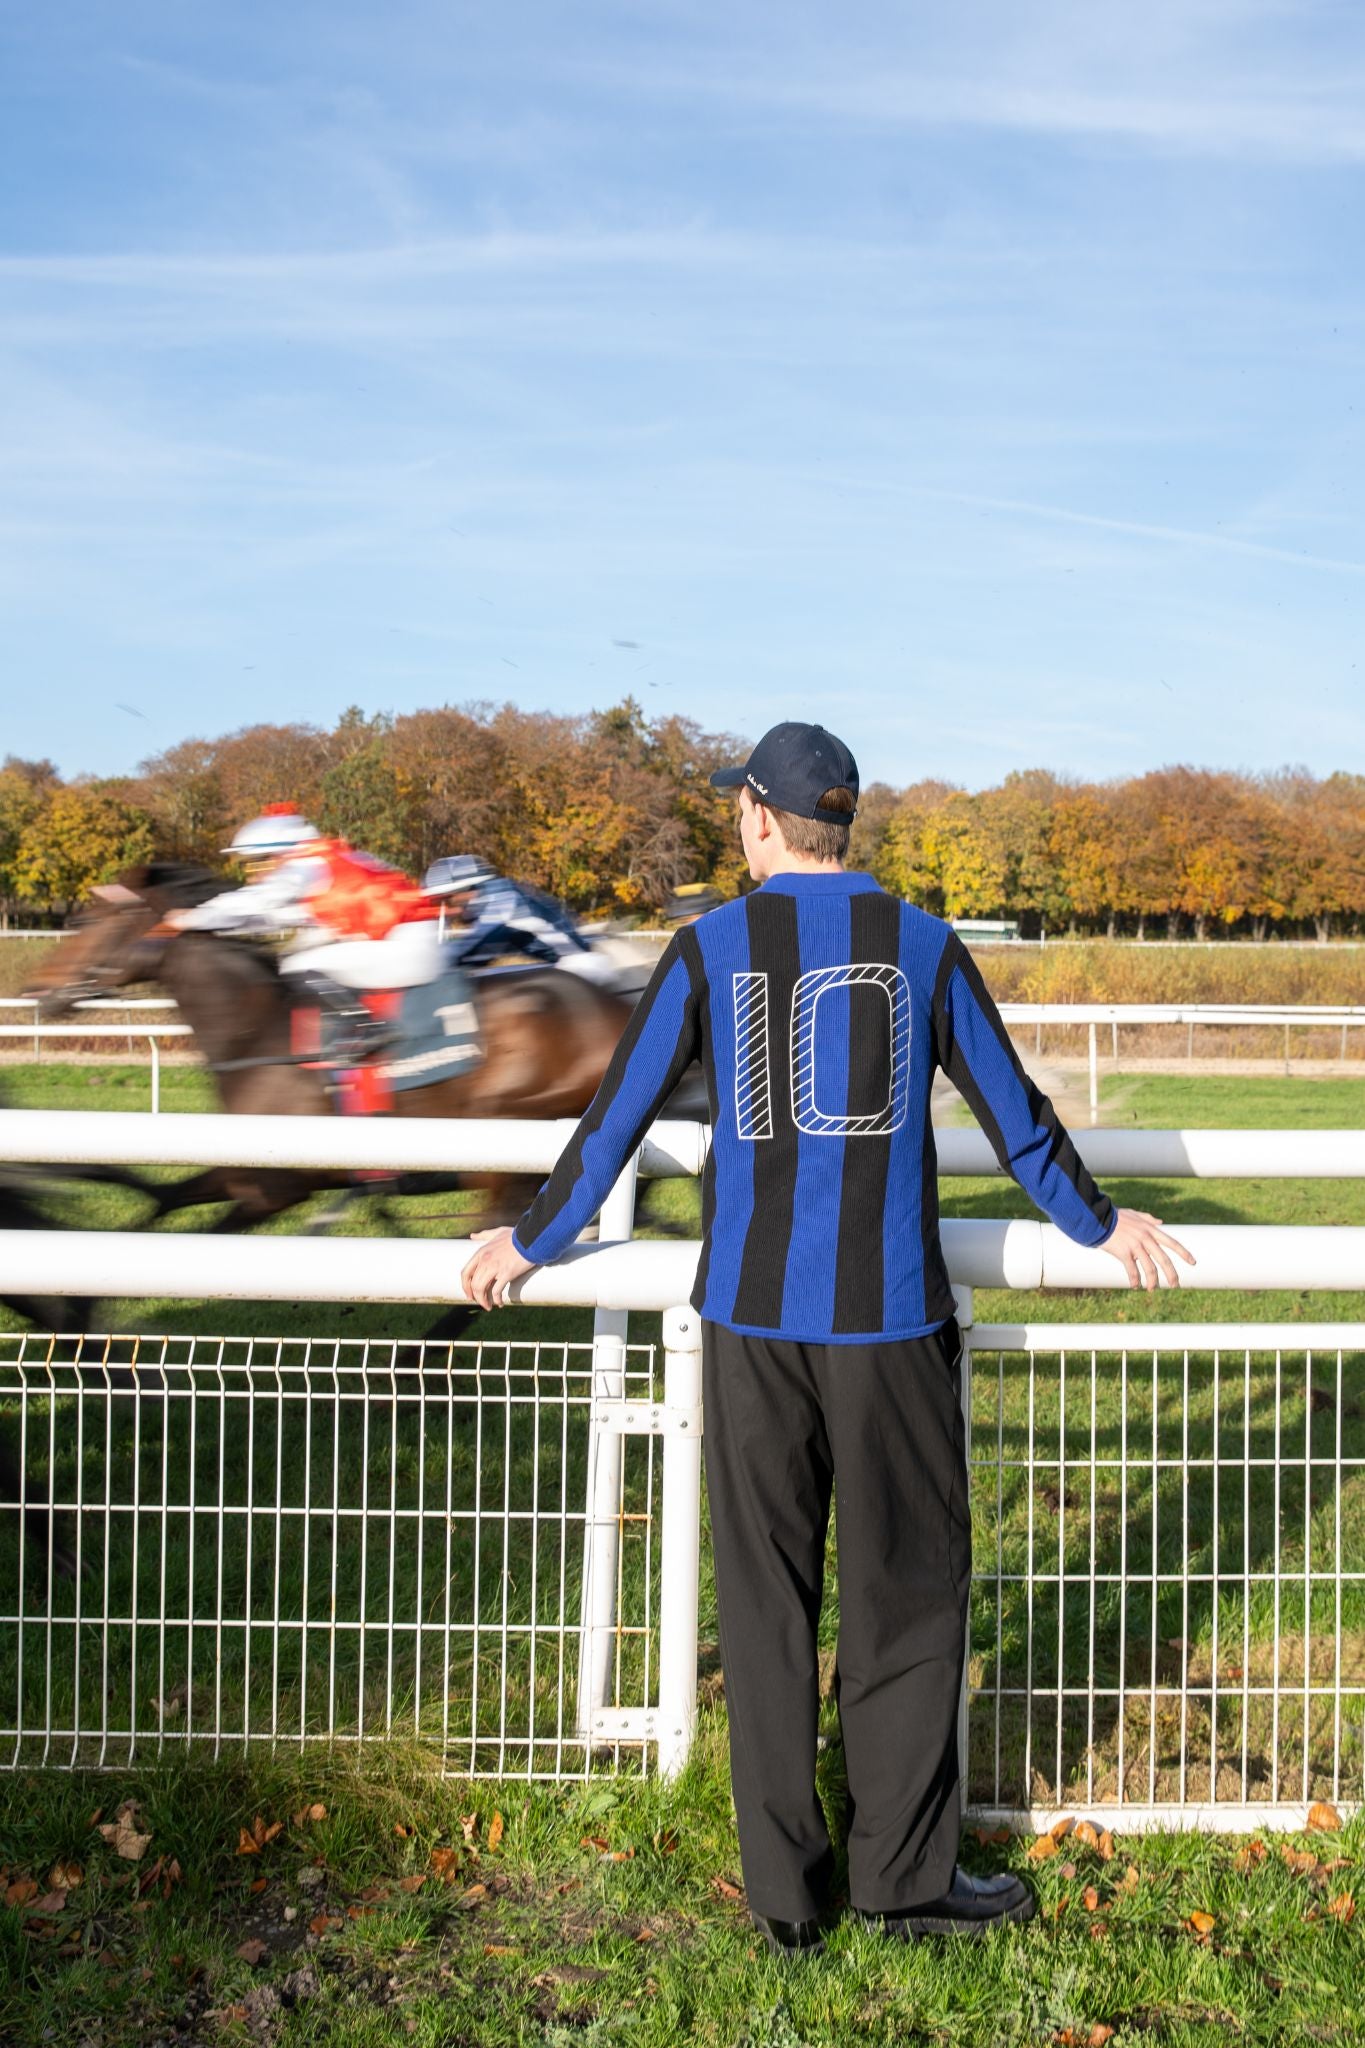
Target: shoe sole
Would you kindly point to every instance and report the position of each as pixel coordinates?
(790, 1955)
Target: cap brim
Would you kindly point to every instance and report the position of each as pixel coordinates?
(727, 778)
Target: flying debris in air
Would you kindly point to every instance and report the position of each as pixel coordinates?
(132, 711)
(627, 643)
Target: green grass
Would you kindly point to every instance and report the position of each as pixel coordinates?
(563, 1944)
(544, 1939)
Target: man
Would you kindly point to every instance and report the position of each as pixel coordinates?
(484, 917)
(820, 1007)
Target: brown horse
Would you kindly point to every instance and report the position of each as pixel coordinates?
(547, 1036)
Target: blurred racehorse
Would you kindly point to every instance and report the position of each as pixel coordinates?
(547, 1036)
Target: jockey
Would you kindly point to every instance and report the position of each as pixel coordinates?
(359, 924)
(483, 916)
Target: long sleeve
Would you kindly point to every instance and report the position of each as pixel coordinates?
(275, 903)
(975, 1052)
(657, 1047)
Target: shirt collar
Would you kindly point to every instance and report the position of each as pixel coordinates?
(852, 882)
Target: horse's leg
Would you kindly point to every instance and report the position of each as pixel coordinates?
(191, 1193)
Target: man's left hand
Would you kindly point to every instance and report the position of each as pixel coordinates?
(493, 1268)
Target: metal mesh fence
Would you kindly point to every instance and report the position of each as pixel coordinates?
(276, 1540)
(1169, 1600)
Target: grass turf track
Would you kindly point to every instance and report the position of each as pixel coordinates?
(566, 1944)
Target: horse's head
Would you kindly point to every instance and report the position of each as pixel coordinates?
(117, 937)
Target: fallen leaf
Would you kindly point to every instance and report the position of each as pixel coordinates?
(253, 1951)
(989, 1836)
(497, 1948)
(598, 1842)
(1343, 1908)
(1249, 1855)
(1062, 1827)
(247, 1845)
(51, 1902)
(1068, 1871)
(726, 1889)
(323, 1923)
(1090, 1898)
(413, 1883)
(1203, 1923)
(1324, 1818)
(644, 1934)
(173, 1871)
(1301, 1861)
(469, 1826)
(21, 1891)
(1129, 1881)
(317, 1811)
(1087, 1834)
(359, 1912)
(445, 1863)
(1233, 1674)
(64, 1877)
(123, 1835)
(258, 1884)
(666, 1841)
(1041, 1847)
(474, 1895)
(1105, 1845)
(495, 1829)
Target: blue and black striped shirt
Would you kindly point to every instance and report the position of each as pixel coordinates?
(819, 1007)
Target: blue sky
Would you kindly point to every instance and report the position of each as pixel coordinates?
(984, 380)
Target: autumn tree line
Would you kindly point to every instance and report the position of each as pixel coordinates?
(612, 811)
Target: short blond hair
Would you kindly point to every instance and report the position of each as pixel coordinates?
(812, 837)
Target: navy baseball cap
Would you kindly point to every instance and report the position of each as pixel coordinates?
(791, 768)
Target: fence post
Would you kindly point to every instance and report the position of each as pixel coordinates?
(1094, 1077)
(606, 1448)
(680, 1544)
(156, 1073)
(962, 1296)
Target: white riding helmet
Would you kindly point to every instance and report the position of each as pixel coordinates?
(278, 830)
(454, 873)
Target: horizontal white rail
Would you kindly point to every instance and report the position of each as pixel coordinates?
(30, 1003)
(638, 1275)
(673, 1147)
(134, 1029)
(1142, 1339)
(1183, 1013)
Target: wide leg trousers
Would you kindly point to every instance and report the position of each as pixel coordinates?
(879, 1425)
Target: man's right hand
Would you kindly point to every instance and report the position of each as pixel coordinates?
(1142, 1247)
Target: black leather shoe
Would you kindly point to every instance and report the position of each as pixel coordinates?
(788, 1938)
(971, 1905)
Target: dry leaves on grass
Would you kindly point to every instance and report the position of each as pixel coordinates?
(1129, 1882)
(1302, 1862)
(1041, 1847)
(666, 1841)
(66, 1876)
(251, 1841)
(992, 1836)
(469, 1827)
(325, 1923)
(253, 1951)
(1084, 2037)
(1201, 1924)
(445, 1863)
(726, 1889)
(1343, 1908)
(1249, 1855)
(124, 1835)
(474, 1895)
(495, 1831)
(317, 1811)
(20, 1890)
(1324, 1819)
(413, 1883)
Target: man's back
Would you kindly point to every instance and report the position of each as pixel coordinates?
(819, 1007)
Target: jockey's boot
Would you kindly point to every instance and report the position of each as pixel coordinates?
(351, 1032)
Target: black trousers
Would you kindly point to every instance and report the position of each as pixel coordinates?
(881, 1426)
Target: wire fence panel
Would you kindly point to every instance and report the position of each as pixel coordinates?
(278, 1540)
(1169, 1599)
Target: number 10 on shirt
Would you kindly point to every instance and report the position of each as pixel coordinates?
(838, 1047)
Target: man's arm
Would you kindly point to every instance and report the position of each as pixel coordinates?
(975, 1052)
(658, 1045)
(274, 903)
